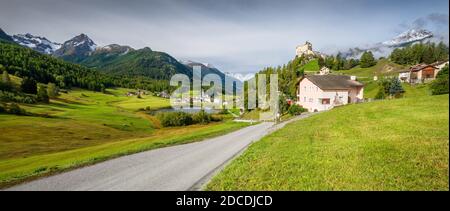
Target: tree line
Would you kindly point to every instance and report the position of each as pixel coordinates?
(420, 53)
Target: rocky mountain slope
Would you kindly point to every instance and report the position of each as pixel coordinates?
(37, 43)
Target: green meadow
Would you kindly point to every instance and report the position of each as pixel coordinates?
(83, 127)
(400, 144)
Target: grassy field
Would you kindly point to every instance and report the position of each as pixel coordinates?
(312, 66)
(398, 144)
(419, 90)
(83, 127)
(383, 68)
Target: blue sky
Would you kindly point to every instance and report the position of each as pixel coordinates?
(235, 36)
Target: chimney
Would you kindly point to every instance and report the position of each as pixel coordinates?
(353, 78)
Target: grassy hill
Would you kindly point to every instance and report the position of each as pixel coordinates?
(83, 127)
(385, 145)
(384, 67)
(311, 66)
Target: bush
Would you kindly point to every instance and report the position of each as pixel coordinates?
(439, 86)
(2, 109)
(216, 118)
(52, 90)
(29, 86)
(15, 109)
(17, 97)
(172, 119)
(42, 95)
(380, 94)
(201, 117)
(296, 110)
(5, 87)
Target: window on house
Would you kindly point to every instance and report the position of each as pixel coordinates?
(311, 100)
(304, 99)
(326, 101)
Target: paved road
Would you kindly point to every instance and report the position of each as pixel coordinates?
(182, 167)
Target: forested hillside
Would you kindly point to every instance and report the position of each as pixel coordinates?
(25, 62)
(142, 62)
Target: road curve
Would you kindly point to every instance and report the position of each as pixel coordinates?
(182, 167)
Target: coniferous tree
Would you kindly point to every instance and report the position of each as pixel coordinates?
(367, 60)
(29, 86)
(396, 89)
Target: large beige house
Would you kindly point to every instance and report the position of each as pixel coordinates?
(324, 92)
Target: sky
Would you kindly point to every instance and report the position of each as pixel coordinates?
(233, 35)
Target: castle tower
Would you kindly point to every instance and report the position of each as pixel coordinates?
(305, 49)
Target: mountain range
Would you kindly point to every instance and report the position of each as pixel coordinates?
(113, 59)
(384, 48)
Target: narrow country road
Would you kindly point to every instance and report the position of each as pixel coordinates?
(182, 167)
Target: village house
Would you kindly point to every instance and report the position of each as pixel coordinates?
(420, 73)
(324, 92)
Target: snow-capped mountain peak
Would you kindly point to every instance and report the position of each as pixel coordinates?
(37, 43)
(80, 45)
(409, 36)
(81, 40)
(241, 76)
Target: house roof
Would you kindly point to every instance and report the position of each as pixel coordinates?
(327, 82)
(439, 63)
(420, 67)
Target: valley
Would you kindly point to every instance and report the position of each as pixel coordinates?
(83, 127)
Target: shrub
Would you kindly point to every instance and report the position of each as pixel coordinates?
(439, 86)
(17, 97)
(216, 118)
(201, 117)
(52, 90)
(42, 95)
(172, 119)
(296, 110)
(5, 86)
(15, 109)
(380, 94)
(2, 109)
(29, 86)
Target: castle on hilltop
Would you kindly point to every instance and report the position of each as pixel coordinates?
(306, 50)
